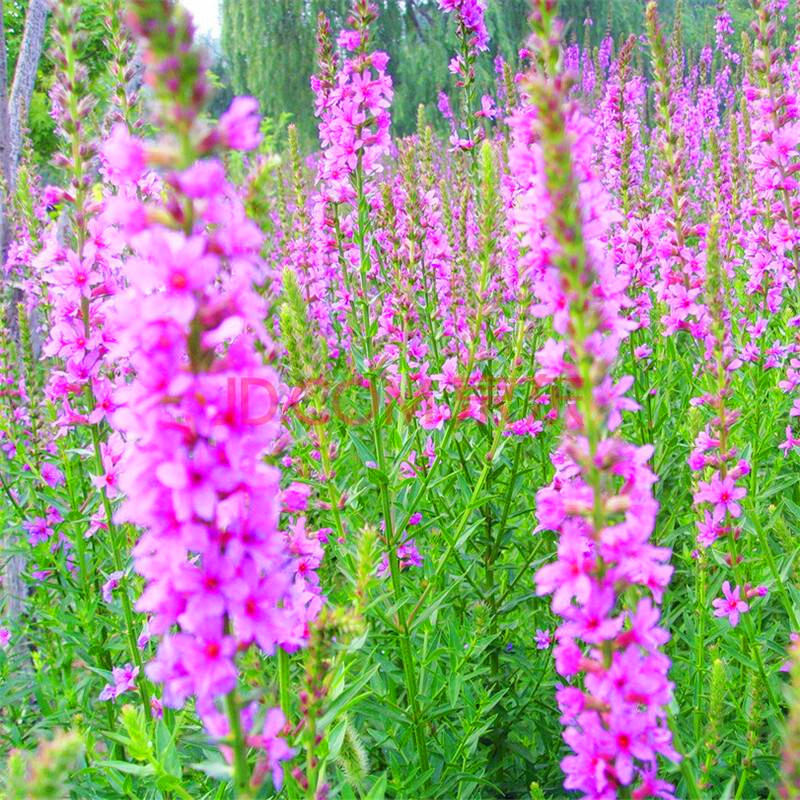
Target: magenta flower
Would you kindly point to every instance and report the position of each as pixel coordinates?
(123, 155)
(110, 585)
(38, 531)
(613, 709)
(722, 493)
(730, 605)
(220, 575)
(470, 14)
(52, 475)
(295, 497)
(543, 639)
(407, 554)
(274, 747)
(568, 577)
(238, 126)
(790, 442)
(124, 681)
(349, 40)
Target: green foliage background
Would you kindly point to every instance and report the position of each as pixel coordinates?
(269, 47)
(94, 55)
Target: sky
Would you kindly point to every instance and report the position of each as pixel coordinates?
(205, 14)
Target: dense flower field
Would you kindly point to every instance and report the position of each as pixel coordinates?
(456, 466)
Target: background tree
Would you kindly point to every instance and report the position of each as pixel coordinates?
(33, 105)
(269, 47)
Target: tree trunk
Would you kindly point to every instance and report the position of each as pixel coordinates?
(5, 135)
(13, 115)
(13, 588)
(30, 52)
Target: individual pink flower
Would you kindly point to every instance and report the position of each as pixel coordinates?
(110, 585)
(123, 155)
(567, 578)
(295, 497)
(38, 531)
(274, 747)
(790, 443)
(124, 681)
(722, 493)
(470, 14)
(407, 554)
(238, 126)
(730, 605)
(52, 475)
(104, 401)
(349, 40)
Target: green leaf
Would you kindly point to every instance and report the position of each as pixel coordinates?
(378, 790)
(218, 770)
(167, 753)
(142, 770)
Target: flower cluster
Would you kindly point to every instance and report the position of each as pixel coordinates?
(200, 415)
(353, 109)
(600, 502)
(471, 19)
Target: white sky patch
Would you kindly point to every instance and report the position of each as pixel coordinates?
(205, 14)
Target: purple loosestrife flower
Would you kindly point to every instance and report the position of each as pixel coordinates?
(722, 494)
(470, 15)
(731, 604)
(238, 127)
(600, 502)
(217, 568)
(111, 584)
(212, 554)
(274, 745)
(353, 109)
(124, 681)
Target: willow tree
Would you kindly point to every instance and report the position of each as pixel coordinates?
(270, 52)
(269, 47)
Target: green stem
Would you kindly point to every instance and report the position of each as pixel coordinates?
(749, 637)
(127, 607)
(241, 770)
(407, 658)
(284, 682)
(699, 713)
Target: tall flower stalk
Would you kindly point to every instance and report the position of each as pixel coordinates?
(353, 104)
(202, 411)
(80, 278)
(608, 579)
